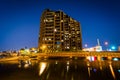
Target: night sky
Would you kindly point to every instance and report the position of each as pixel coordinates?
(20, 21)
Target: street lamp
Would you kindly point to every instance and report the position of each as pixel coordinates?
(86, 45)
(43, 47)
(113, 47)
(106, 44)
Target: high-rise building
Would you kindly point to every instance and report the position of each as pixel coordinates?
(59, 32)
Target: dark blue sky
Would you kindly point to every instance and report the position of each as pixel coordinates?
(20, 21)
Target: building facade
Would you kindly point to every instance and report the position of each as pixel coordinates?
(59, 32)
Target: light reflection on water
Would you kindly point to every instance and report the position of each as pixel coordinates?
(42, 67)
(63, 69)
(112, 71)
(25, 63)
(80, 70)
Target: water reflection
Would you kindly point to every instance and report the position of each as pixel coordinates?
(111, 69)
(61, 70)
(42, 67)
(68, 68)
(56, 62)
(100, 65)
(78, 70)
(64, 70)
(24, 63)
(88, 65)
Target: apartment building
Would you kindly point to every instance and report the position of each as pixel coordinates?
(59, 32)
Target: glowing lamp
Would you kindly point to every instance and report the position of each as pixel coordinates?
(113, 47)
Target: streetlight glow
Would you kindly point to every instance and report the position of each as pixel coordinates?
(106, 43)
(113, 47)
(86, 45)
(55, 30)
(44, 46)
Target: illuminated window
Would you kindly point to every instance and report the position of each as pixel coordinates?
(78, 39)
(73, 28)
(57, 42)
(73, 33)
(55, 30)
(58, 46)
(61, 20)
(51, 20)
(46, 20)
(45, 38)
(78, 32)
(49, 38)
(62, 40)
(68, 47)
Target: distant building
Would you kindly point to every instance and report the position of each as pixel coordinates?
(96, 48)
(119, 48)
(59, 32)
